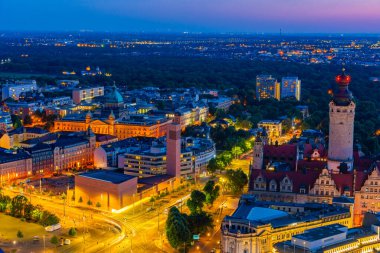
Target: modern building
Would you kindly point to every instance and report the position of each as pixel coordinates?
(105, 189)
(22, 109)
(341, 130)
(152, 160)
(14, 165)
(267, 87)
(333, 238)
(89, 93)
(272, 127)
(291, 87)
(256, 226)
(13, 90)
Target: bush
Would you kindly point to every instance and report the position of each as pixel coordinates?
(20, 234)
(89, 202)
(80, 199)
(48, 219)
(98, 205)
(72, 232)
(54, 240)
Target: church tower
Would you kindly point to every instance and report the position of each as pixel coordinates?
(341, 130)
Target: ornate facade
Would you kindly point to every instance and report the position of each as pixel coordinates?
(368, 197)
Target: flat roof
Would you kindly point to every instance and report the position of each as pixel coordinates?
(107, 176)
(316, 234)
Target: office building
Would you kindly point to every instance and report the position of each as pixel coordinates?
(290, 87)
(267, 87)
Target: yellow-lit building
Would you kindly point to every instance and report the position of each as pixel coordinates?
(14, 165)
(256, 226)
(136, 125)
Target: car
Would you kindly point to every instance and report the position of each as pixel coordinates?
(53, 227)
(67, 241)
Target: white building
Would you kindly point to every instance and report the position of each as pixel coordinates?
(81, 94)
(15, 89)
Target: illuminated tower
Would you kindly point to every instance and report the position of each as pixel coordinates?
(258, 151)
(173, 150)
(341, 132)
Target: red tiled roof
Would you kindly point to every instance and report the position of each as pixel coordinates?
(287, 150)
(298, 178)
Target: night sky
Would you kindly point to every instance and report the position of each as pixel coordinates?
(292, 16)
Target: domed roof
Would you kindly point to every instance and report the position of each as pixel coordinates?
(114, 97)
(344, 96)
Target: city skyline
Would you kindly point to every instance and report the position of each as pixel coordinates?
(256, 16)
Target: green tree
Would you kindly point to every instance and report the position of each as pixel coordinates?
(212, 166)
(16, 122)
(80, 199)
(18, 205)
(98, 205)
(200, 222)
(236, 180)
(212, 192)
(72, 232)
(177, 228)
(54, 240)
(20, 234)
(89, 202)
(48, 219)
(196, 201)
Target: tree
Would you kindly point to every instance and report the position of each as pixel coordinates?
(200, 222)
(98, 205)
(54, 240)
(236, 180)
(72, 232)
(212, 166)
(48, 219)
(20, 234)
(177, 228)
(16, 122)
(80, 199)
(212, 192)
(89, 202)
(196, 201)
(18, 205)
(27, 120)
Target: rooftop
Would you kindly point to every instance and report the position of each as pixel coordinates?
(319, 233)
(107, 176)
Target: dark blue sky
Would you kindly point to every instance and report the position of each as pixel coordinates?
(341, 16)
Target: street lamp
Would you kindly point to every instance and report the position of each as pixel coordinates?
(294, 245)
(304, 247)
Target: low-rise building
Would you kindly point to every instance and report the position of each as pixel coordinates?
(272, 127)
(42, 159)
(14, 164)
(332, 239)
(13, 90)
(88, 93)
(105, 189)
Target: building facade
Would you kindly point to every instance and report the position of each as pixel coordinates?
(81, 94)
(267, 87)
(291, 87)
(14, 90)
(14, 165)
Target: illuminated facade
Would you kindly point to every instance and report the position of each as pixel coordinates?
(368, 197)
(190, 116)
(267, 87)
(257, 226)
(291, 87)
(14, 90)
(72, 151)
(272, 127)
(136, 125)
(14, 165)
(81, 94)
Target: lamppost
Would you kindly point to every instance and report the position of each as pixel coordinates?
(304, 247)
(294, 245)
